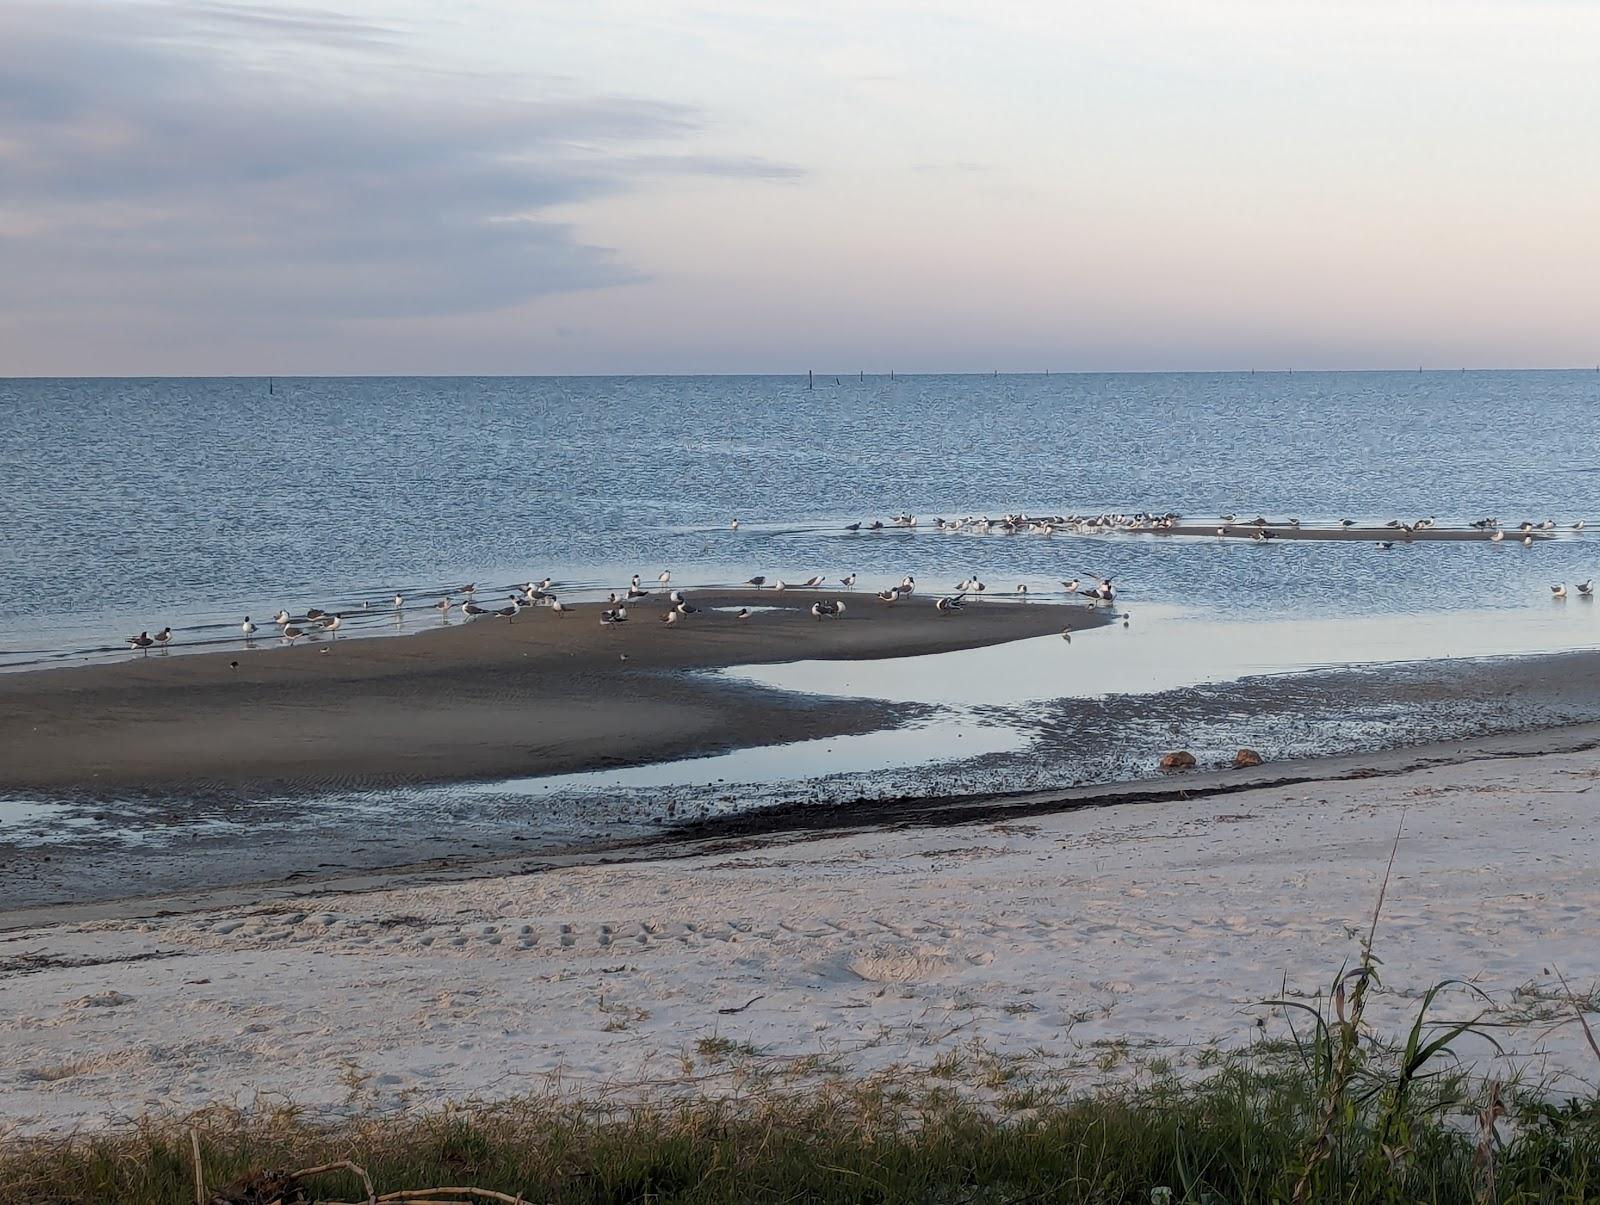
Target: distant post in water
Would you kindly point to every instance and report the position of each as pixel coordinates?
(810, 381)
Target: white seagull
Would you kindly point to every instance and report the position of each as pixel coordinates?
(248, 628)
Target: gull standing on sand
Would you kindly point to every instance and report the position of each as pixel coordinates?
(666, 576)
(849, 583)
(142, 642)
(757, 581)
(164, 637)
(330, 623)
(744, 613)
(291, 633)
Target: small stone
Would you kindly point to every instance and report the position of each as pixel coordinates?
(1181, 760)
(1246, 758)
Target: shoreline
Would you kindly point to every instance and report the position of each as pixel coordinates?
(1088, 941)
(543, 694)
(790, 825)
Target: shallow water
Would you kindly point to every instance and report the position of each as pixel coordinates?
(133, 504)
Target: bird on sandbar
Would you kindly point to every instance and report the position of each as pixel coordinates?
(665, 576)
(848, 582)
(780, 584)
(890, 595)
(744, 613)
(1022, 591)
(292, 633)
(670, 617)
(141, 642)
(948, 606)
(758, 581)
(164, 637)
(812, 582)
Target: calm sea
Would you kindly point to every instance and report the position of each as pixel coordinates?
(130, 504)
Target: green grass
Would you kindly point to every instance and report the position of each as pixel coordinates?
(1243, 1134)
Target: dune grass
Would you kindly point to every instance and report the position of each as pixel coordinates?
(1242, 1134)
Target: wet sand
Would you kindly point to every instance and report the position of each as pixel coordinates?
(544, 693)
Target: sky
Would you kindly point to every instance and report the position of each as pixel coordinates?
(638, 186)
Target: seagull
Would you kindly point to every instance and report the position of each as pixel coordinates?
(469, 589)
(852, 527)
(757, 581)
(813, 582)
(635, 592)
(1558, 591)
(1586, 589)
(330, 623)
(780, 584)
(619, 615)
(248, 628)
(670, 617)
(399, 601)
(1347, 523)
(281, 618)
(946, 606)
(471, 609)
(1527, 541)
(559, 607)
(734, 526)
(164, 637)
(443, 605)
(665, 576)
(315, 613)
(744, 613)
(1497, 537)
(1022, 589)
(907, 584)
(142, 641)
(889, 596)
(849, 583)
(684, 608)
(1066, 634)
(1384, 543)
(675, 597)
(292, 633)
(1578, 526)
(1070, 587)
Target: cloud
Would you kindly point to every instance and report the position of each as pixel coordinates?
(237, 163)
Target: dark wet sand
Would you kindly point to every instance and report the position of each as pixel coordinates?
(545, 693)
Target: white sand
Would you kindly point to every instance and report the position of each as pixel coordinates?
(1083, 942)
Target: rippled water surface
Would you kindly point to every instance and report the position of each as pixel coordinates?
(133, 504)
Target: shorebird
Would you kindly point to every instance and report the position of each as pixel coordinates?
(852, 527)
(684, 608)
(469, 589)
(813, 582)
(619, 615)
(1527, 541)
(1066, 634)
(1022, 589)
(947, 606)
(1347, 523)
(142, 642)
(670, 617)
(734, 526)
(780, 584)
(315, 612)
(744, 613)
(675, 597)
(1586, 589)
(1578, 526)
(759, 580)
(164, 637)
(1558, 591)
(889, 596)
(1228, 518)
(471, 609)
(399, 601)
(1384, 543)
(281, 618)
(248, 628)
(559, 607)
(330, 623)
(665, 576)
(443, 605)
(1070, 587)
(907, 584)
(634, 592)
(1497, 537)
(848, 582)
(292, 633)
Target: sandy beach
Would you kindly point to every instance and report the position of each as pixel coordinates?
(542, 694)
(1079, 944)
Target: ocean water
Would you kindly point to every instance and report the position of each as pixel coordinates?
(134, 504)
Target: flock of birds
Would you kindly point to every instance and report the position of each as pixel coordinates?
(1099, 590)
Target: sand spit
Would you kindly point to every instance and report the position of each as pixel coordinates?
(1078, 944)
(545, 693)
